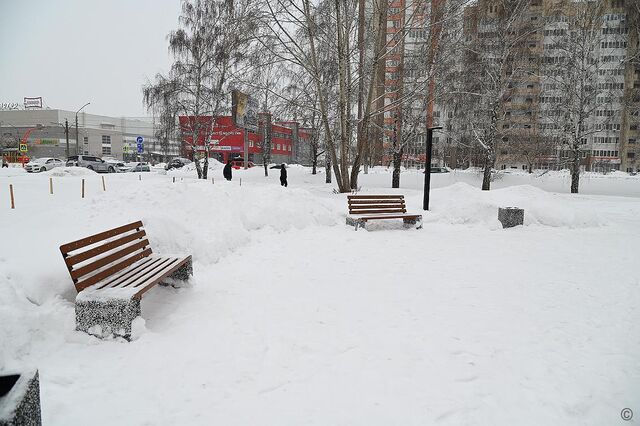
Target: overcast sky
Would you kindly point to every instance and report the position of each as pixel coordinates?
(75, 51)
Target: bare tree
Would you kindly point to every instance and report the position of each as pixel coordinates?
(580, 85)
(207, 47)
(494, 64)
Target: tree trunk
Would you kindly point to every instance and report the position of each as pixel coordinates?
(397, 162)
(530, 168)
(196, 159)
(205, 168)
(486, 177)
(327, 167)
(314, 163)
(575, 172)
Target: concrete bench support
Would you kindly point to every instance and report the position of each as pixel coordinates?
(105, 317)
(510, 216)
(20, 399)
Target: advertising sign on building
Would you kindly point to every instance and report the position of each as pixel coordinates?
(244, 110)
(33, 103)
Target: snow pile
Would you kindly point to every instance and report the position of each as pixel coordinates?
(70, 171)
(461, 203)
(190, 169)
(11, 171)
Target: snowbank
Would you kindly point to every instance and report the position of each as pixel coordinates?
(70, 171)
(461, 203)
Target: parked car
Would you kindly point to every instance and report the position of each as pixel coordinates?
(92, 163)
(177, 163)
(238, 163)
(439, 170)
(119, 165)
(43, 164)
(138, 167)
(277, 166)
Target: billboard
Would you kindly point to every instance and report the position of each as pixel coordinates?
(33, 103)
(244, 110)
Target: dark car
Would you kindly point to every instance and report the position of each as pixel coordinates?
(439, 170)
(177, 163)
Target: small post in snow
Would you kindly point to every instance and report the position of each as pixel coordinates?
(51, 185)
(240, 181)
(104, 188)
(140, 176)
(13, 206)
(212, 182)
(82, 188)
(174, 179)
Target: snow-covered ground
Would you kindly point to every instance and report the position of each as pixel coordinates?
(293, 318)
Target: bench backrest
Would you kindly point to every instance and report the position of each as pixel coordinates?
(99, 256)
(365, 204)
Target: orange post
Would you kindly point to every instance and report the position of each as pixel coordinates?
(82, 188)
(13, 206)
(51, 185)
(104, 188)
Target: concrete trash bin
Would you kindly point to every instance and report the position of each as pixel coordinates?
(510, 216)
(20, 399)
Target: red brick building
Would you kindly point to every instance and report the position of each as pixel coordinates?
(226, 140)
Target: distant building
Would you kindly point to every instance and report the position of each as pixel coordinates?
(289, 142)
(99, 135)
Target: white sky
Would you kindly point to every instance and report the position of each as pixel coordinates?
(75, 51)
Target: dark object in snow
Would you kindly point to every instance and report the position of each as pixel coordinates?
(283, 175)
(510, 216)
(226, 172)
(20, 399)
(363, 208)
(112, 277)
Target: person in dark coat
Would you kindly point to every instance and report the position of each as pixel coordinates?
(226, 172)
(283, 175)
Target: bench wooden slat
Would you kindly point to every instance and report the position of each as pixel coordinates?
(373, 197)
(128, 274)
(81, 285)
(379, 211)
(139, 283)
(391, 216)
(80, 257)
(141, 278)
(166, 271)
(75, 245)
(104, 261)
(374, 201)
(378, 206)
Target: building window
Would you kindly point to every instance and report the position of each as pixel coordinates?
(106, 145)
(631, 155)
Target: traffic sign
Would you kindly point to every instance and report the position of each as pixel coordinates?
(23, 147)
(140, 148)
(139, 140)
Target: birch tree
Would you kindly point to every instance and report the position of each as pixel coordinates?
(208, 45)
(581, 81)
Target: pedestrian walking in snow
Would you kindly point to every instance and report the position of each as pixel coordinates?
(283, 175)
(226, 172)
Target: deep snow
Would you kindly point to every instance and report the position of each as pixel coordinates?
(294, 318)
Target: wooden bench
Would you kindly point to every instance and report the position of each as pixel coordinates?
(363, 208)
(111, 271)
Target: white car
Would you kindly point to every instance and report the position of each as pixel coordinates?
(43, 164)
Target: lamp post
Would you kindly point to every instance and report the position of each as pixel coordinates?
(427, 167)
(77, 136)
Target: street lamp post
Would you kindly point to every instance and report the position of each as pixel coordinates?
(77, 135)
(427, 167)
